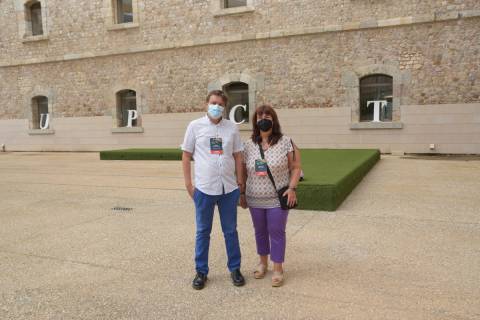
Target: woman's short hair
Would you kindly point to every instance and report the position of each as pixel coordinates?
(276, 130)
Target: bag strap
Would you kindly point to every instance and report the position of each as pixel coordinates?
(268, 169)
(293, 147)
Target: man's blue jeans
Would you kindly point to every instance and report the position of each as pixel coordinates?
(204, 208)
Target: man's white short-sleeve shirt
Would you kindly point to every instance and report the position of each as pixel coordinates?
(214, 173)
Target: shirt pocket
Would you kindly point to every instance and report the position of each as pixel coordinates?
(203, 138)
(227, 143)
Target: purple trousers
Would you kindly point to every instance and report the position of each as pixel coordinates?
(269, 225)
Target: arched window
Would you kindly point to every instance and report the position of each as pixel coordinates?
(124, 11)
(237, 93)
(234, 3)
(33, 18)
(40, 114)
(126, 104)
(376, 97)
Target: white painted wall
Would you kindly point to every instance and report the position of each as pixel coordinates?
(452, 128)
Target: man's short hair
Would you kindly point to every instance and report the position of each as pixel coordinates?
(218, 93)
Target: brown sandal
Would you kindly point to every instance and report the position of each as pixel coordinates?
(260, 271)
(277, 279)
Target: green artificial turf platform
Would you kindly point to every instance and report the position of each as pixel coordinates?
(329, 174)
(142, 154)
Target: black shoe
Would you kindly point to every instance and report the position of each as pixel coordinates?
(237, 278)
(199, 281)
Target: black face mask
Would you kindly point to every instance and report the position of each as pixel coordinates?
(265, 124)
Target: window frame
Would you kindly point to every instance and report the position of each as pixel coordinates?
(33, 13)
(36, 112)
(33, 115)
(351, 97)
(114, 101)
(225, 6)
(218, 8)
(111, 16)
(255, 82)
(377, 86)
(117, 12)
(24, 18)
(225, 88)
(120, 96)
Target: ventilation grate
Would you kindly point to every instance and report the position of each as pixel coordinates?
(121, 209)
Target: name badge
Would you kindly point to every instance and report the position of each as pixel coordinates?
(216, 146)
(260, 167)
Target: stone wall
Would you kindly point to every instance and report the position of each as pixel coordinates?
(79, 27)
(437, 63)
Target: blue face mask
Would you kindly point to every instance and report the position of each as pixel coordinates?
(215, 111)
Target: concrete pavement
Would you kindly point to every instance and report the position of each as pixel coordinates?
(404, 245)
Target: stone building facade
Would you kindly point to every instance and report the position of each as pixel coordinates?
(322, 64)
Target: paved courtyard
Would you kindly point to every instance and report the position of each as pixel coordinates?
(404, 245)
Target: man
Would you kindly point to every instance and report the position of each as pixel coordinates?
(216, 147)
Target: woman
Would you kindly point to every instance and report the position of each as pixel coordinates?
(269, 219)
